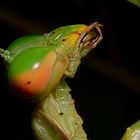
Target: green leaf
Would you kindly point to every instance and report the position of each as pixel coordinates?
(135, 2)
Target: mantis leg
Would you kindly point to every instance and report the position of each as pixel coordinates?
(55, 118)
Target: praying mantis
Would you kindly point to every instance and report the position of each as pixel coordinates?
(37, 66)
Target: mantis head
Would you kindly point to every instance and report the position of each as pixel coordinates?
(36, 64)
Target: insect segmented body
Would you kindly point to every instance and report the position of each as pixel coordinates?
(37, 67)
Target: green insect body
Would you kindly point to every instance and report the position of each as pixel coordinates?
(57, 114)
(37, 67)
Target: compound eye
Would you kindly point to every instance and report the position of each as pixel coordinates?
(30, 72)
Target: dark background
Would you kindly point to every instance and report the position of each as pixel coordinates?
(106, 87)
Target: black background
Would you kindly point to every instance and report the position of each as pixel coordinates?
(106, 87)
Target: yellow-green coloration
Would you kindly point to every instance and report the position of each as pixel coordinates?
(132, 132)
(32, 70)
(55, 118)
(135, 2)
(37, 67)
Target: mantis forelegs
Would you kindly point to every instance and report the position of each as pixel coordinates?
(56, 118)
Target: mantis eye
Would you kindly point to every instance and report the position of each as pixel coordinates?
(29, 65)
(30, 72)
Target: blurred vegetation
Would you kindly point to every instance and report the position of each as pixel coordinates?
(106, 87)
(135, 2)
